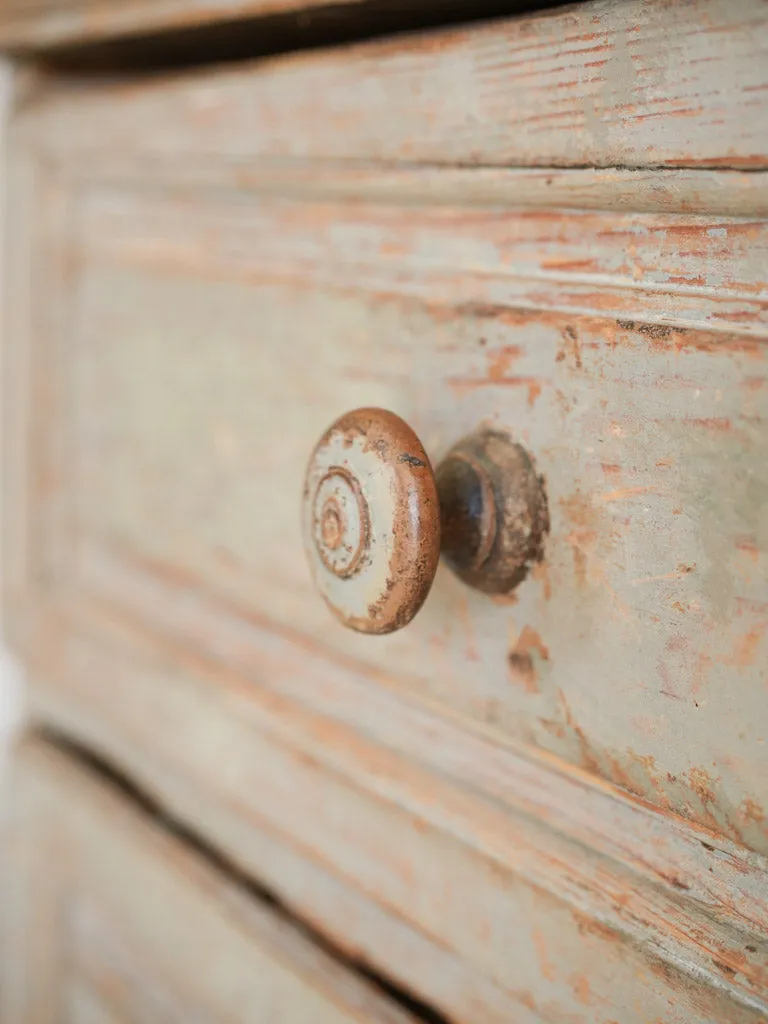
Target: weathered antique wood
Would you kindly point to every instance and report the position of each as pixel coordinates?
(112, 919)
(647, 423)
(545, 808)
(600, 84)
(555, 897)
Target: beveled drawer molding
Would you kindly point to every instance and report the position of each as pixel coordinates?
(597, 264)
(724, 193)
(239, 728)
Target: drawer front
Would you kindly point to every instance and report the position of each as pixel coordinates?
(111, 919)
(213, 341)
(230, 261)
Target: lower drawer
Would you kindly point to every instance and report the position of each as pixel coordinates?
(111, 919)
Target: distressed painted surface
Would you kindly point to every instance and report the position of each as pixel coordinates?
(638, 83)
(671, 270)
(550, 900)
(115, 918)
(638, 651)
(225, 270)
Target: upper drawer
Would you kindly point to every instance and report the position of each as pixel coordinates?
(603, 84)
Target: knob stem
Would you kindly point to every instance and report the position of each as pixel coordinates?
(493, 511)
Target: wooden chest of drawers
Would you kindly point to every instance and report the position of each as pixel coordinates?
(547, 805)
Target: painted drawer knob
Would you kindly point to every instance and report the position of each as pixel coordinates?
(374, 514)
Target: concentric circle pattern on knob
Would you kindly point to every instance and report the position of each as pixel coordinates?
(371, 520)
(340, 522)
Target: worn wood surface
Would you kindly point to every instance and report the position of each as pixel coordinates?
(630, 84)
(647, 622)
(109, 918)
(560, 900)
(552, 809)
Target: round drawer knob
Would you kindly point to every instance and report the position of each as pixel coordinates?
(374, 513)
(372, 520)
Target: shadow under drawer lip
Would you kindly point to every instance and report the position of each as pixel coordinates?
(116, 778)
(120, 44)
(115, 908)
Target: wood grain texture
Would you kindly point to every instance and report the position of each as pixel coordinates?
(227, 270)
(649, 431)
(631, 84)
(544, 916)
(672, 270)
(114, 919)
